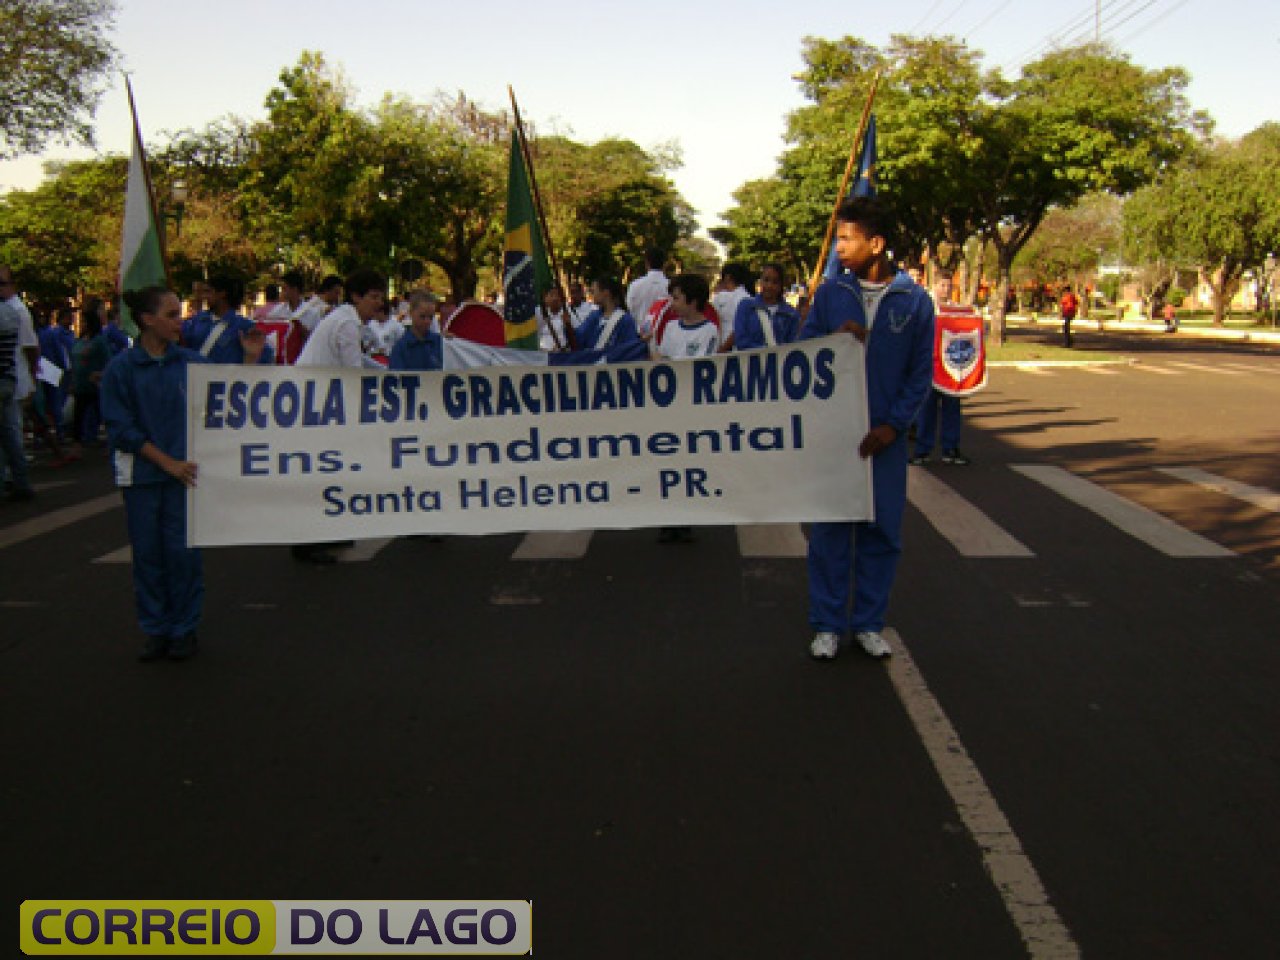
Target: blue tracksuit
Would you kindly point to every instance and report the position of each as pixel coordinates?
(412, 353)
(227, 348)
(899, 363)
(747, 332)
(623, 332)
(144, 399)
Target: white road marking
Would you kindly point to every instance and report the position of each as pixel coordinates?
(970, 530)
(1038, 371)
(1012, 872)
(1131, 518)
(1258, 496)
(363, 551)
(1157, 370)
(1203, 368)
(1244, 368)
(554, 545)
(57, 519)
(1099, 371)
(770, 540)
(123, 555)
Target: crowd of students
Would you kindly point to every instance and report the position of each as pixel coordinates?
(350, 323)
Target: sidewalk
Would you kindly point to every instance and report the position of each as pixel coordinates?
(1111, 325)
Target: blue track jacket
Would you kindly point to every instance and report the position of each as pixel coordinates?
(145, 398)
(899, 347)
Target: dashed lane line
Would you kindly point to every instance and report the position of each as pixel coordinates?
(1014, 876)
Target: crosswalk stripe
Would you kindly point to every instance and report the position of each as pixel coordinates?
(772, 540)
(1100, 371)
(553, 545)
(1244, 368)
(1203, 368)
(123, 555)
(1258, 496)
(970, 530)
(1131, 518)
(1038, 371)
(1160, 371)
(363, 551)
(57, 519)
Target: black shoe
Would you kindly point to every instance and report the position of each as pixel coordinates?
(153, 649)
(183, 648)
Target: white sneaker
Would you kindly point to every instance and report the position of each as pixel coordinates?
(824, 645)
(874, 644)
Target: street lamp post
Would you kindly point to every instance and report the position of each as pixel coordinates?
(178, 200)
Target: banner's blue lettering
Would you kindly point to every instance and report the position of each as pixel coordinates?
(255, 460)
(213, 400)
(825, 383)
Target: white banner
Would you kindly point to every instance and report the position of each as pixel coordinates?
(302, 454)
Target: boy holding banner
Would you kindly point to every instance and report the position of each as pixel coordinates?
(959, 369)
(893, 316)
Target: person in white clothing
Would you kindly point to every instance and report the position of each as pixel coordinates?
(645, 290)
(335, 342)
(553, 319)
(735, 286)
(692, 336)
(380, 334)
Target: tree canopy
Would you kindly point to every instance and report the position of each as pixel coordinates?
(56, 55)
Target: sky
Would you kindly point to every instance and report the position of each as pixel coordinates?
(716, 77)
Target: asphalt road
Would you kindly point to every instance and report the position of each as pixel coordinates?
(638, 742)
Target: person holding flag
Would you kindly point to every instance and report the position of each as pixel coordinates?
(893, 316)
(942, 405)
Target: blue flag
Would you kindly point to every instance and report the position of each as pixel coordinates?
(864, 185)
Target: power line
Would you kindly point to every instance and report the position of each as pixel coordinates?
(1141, 30)
(987, 19)
(925, 19)
(943, 22)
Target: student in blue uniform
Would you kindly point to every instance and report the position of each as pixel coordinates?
(766, 319)
(216, 333)
(421, 348)
(144, 392)
(610, 325)
(893, 317)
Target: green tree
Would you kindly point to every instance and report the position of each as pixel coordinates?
(1218, 213)
(56, 56)
(63, 237)
(1070, 241)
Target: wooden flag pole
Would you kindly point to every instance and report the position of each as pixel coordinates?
(146, 176)
(542, 220)
(844, 183)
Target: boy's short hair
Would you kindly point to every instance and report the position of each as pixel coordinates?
(363, 281)
(230, 287)
(655, 258)
(694, 287)
(294, 279)
(614, 287)
(329, 282)
(777, 268)
(737, 272)
(870, 214)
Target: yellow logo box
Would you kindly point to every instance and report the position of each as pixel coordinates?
(142, 928)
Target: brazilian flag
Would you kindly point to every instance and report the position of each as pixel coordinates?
(525, 274)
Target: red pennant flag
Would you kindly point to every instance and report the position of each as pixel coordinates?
(959, 351)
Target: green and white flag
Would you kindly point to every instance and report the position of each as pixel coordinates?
(141, 259)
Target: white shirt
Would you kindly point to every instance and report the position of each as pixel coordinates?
(872, 294)
(680, 342)
(726, 304)
(545, 339)
(309, 313)
(335, 342)
(379, 336)
(23, 384)
(642, 294)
